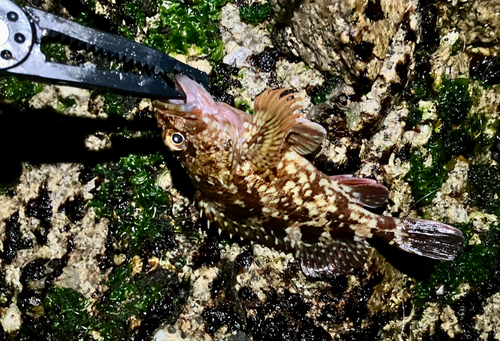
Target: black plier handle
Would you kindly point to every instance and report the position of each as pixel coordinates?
(21, 33)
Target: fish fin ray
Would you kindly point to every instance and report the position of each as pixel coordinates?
(425, 238)
(338, 257)
(272, 121)
(306, 136)
(363, 191)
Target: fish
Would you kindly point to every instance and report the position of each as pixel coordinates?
(253, 179)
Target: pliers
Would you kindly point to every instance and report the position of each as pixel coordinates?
(21, 33)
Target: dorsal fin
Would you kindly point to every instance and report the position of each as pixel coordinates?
(366, 192)
(272, 121)
(306, 136)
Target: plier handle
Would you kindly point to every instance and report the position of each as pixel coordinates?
(21, 33)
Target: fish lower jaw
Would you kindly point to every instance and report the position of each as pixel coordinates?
(175, 105)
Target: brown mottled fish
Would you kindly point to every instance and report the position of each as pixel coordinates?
(253, 180)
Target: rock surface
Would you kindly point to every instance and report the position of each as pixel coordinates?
(101, 218)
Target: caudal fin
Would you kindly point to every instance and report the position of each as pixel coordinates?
(425, 238)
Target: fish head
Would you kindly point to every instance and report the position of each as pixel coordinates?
(205, 135)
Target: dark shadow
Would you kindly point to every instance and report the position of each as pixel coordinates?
(100, 22)
(412, 265)
(44, 136)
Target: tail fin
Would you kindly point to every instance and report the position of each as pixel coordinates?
(424, 237)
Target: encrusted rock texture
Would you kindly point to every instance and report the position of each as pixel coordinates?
(100, 238)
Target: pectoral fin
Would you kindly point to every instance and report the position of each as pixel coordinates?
(306, 136)
(272, 121)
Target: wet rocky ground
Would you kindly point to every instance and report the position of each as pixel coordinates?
(101, 239)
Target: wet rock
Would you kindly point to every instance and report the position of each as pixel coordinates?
(354, 44)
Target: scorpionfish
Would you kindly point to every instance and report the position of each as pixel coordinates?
(253, 180)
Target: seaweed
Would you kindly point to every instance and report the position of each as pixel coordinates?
(74, 209)
(458, 47)
(456, 134)
(65, 314)
(64, 103)
(132, 308)
(132, 201)
(217, 317)
(426, 181)
(267, 59)
(414, 118)
(113, 104)
(474, 264)
(41, 209)
(18, 92)
(321, 93)
(485, 187)
(221, 78)
(55, 51)
(255, 13)
(181, 27)
(150, 299)
(454, 101)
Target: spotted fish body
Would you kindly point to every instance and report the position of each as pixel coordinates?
(253, 180)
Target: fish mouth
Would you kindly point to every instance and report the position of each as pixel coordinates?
(189, 87)
(174, 105)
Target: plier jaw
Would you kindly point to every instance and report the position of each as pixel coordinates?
(21, 33)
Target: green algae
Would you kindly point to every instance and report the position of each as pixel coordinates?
(243, 105)
(181, 27)
(485, 187)
(65, 313)
(475, 264)
(18, 92)
(64, 103)
(455, 135)
(113, 104)
(454, 100)
(321, 93)
(55, 51)
(458, 47)
(134, 11)
(155, 298)
(458, 133)
(132, 201)
(255, 13)
(135, 206)
(151, 298)
(426, 180)
(414, 118)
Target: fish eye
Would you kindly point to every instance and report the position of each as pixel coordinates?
(177, 139)
(174, 141)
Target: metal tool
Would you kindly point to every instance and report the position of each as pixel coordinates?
(21, 33)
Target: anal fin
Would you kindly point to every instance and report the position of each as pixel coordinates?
(338, 257)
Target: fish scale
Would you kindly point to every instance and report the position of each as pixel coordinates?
(253, 180)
